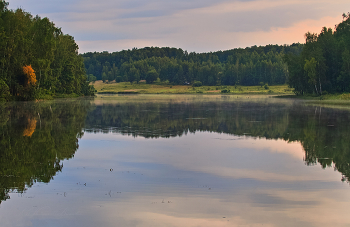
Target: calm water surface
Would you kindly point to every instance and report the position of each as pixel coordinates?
(174, 161)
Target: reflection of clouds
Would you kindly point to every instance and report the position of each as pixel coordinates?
(148, 219)
(230, 157)
(248, 208)
(252, 182)
(293, 149)
(255, 174)
(244, 208)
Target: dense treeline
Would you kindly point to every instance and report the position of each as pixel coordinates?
(249, 66)
(34, 140)
(324, 64)
(35, 42)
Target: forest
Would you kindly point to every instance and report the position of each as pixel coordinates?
(249, 66)
(37, 59)
(320, 66)
(324, 63)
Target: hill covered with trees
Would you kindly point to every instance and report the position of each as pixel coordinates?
(249, 66)
(37, 58)
(320, 66)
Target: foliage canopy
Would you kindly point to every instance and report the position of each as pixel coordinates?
(34, 52)
(324, 64)
(249, 66)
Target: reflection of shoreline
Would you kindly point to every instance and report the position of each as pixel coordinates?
(30, 154)
(153, 120)
(207, 178)
(268, 119)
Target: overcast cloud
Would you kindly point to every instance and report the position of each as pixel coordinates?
(193, 25)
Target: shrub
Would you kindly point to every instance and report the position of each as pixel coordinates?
(151, 76)
(197, 84)
(225, 90)
(345, 96)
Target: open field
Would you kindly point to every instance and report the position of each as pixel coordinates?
(143, 88)
(336, 100)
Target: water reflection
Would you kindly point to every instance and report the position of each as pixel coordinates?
(181, 161)
(153, 120)
(323, 132)
(35, 138)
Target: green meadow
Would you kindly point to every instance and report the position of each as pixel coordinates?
(283, 91)
(143, 88)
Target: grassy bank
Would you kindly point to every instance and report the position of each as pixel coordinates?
(323, 98)
(143, 88)
(283, 91)
(327, 100)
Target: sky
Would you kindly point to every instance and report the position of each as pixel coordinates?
(193, 25)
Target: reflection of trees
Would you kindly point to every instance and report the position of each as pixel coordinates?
(34, 139)
(153, 120)
(323, 132)
(29, 130)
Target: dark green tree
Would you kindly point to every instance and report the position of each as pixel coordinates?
(151, 76)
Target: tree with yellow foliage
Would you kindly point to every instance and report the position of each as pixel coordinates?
(30, 74)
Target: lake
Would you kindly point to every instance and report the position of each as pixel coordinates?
(175, 160)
